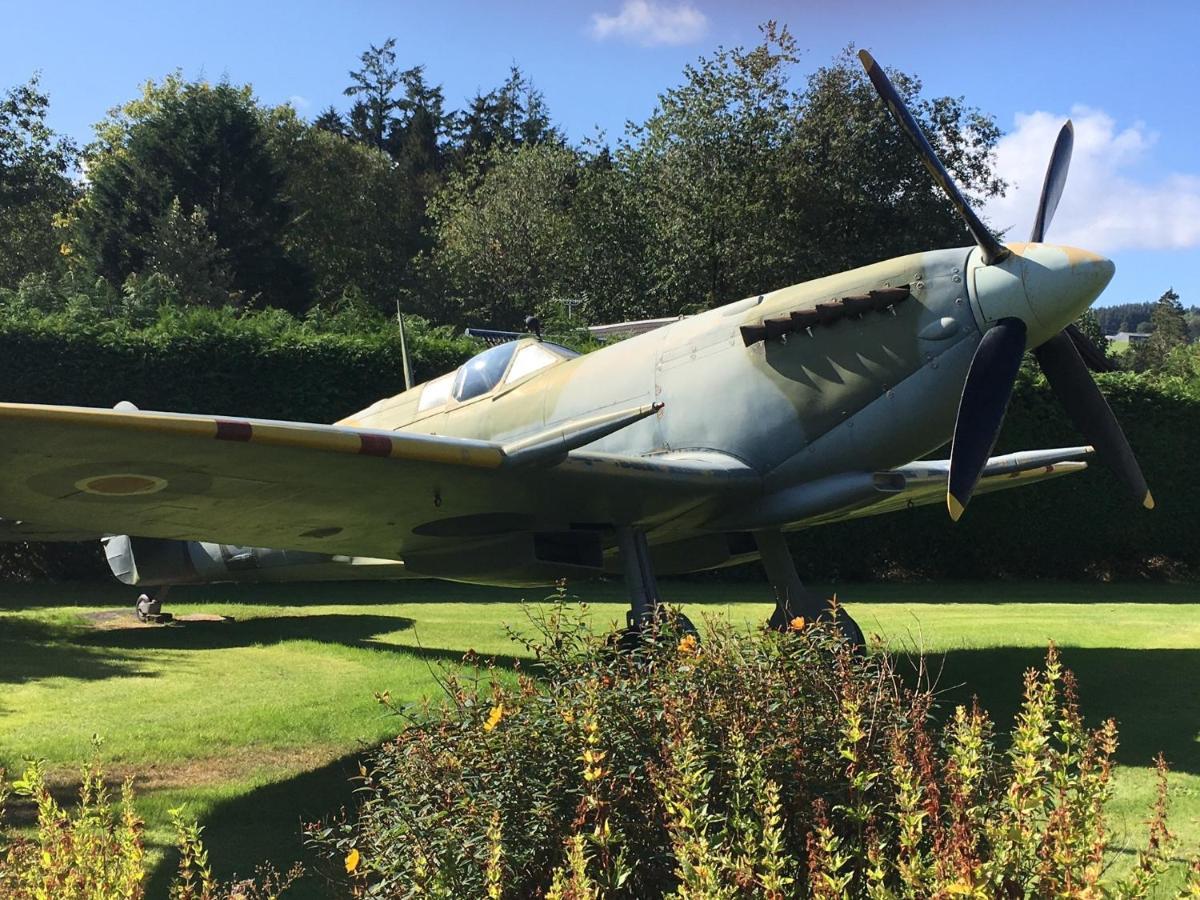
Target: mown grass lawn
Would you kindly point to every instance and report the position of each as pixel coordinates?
(256, 723)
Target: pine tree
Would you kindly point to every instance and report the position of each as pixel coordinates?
(1169, 331)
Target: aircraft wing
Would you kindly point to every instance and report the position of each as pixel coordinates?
(924, 482)
(325, 488)
(15, 531)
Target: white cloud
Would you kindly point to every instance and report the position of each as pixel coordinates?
(1107, 204)
(649, 24)
(299, 102)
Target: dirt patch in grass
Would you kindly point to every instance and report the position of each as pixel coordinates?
(114, 619)
(236, 766)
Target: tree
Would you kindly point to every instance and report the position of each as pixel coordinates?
(750, 184)
(1169, 332)
(514, 114)
(398, 112)
(611, 228)
(1192, 319)
(357, 214)
(1089, 324)
(374, 85)
(35, 183)
(184, 250)
(207, 147)
(708, 164)
(505, 240)
(867, 194)
(331, 120)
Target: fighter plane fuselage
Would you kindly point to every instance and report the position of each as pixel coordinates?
(861, 391)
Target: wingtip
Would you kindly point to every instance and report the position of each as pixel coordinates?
(955, 508)
(866, 58)
(1148, 501)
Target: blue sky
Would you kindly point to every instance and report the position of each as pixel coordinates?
(1126, 72)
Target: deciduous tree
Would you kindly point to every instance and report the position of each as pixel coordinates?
(35, 183)
(505, 242)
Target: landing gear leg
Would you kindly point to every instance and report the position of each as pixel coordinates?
(792, 599)
(645, 605)
(149, 607)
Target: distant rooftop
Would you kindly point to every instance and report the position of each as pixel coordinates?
(1127, 337)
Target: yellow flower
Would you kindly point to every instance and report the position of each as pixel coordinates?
(494, 717)
(797, 624)
(352, 859)
(687, 646)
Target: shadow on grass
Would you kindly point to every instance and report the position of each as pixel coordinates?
(31, 651)
(102, 594)
(349, 630)
(359, 632)
(266, 824)
(1153, 694)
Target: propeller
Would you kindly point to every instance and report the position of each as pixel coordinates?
(997, 359)
(1055, 180)
(1095, 358)
(985, 396)
(1090, 412)
(991, 248)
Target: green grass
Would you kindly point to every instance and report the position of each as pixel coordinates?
(256, 724)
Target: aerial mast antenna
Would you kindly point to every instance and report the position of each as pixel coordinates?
(408, 375)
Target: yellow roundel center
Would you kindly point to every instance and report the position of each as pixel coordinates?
(123, 484)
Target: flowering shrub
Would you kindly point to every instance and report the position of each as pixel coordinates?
(748, 764)
(95, 852)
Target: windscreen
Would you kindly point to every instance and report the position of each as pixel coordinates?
(480, 373)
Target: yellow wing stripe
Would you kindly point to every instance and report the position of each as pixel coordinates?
(321, 438)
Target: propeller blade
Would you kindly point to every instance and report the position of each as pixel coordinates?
(991, 248)
(1052, 186)
(1092, 355)
(981, 410)
(1087, 408)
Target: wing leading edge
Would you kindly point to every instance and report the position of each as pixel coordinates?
(849, 495)
(925, 481)
(325, 488)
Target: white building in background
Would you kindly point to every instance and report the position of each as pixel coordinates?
(1128, 337)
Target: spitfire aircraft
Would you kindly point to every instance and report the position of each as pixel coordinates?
(691, 446)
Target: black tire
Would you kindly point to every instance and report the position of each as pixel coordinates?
(631, 636)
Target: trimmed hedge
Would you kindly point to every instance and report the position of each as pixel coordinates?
(273, 366)
(217, 366)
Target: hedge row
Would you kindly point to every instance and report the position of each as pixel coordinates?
(1079, 526)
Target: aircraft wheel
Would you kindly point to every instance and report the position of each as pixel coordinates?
(850, 628)
(148, 608)
(663, 619)
(852, 631)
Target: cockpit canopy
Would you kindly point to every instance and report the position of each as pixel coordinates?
(482, 372)
(507, 363)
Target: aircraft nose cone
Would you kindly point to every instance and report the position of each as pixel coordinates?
(1061, 282)
(1043, 285)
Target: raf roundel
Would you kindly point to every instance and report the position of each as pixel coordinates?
(121, 484)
